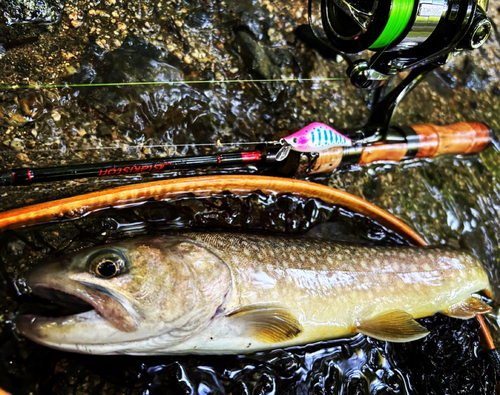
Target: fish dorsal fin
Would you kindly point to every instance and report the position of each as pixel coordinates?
(466, 309)
(395, 326)
(268, 324)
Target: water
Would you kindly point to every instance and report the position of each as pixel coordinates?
(447, 200)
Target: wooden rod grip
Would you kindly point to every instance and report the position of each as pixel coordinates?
(381, 151)
(459, 138)
(422, 141)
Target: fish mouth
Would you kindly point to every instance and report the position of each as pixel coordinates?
(89, 308)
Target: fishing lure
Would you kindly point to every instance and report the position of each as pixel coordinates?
(313, 138)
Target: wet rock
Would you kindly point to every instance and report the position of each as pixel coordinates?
(31, 105)
(23, 157)
(17, 144)
(31, 11)
(255, 19)
(103, 130)
(12, 117)
(257, 59)
(200, 19)
(260, 61)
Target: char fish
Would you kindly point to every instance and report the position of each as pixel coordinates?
(225, 293)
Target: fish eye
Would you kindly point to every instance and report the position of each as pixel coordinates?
(295, 140)
(107, 265)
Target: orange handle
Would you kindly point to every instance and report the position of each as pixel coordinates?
(430, 141)
(459, 138)
(381, 151)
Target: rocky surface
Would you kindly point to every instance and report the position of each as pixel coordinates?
(448, 200)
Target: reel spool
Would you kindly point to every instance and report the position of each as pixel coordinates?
(404, 34)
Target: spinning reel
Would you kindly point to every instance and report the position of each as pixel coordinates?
(403, 34)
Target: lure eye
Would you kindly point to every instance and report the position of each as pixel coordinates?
(295, 140)
(107, 265)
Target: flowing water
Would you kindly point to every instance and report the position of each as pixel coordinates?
(447, 200)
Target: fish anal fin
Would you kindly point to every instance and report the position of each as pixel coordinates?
(467, 309)
(268, 324)
(395, 326)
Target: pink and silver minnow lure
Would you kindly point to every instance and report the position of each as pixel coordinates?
(313, 138)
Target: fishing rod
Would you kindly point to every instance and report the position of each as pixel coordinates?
(327, 151)
(317, 148)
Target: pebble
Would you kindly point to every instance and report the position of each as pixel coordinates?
(17, 144)
(23, 157)
(56, 116)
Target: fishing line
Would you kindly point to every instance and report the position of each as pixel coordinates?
(166, 145)
(399, 17)
(118, 84)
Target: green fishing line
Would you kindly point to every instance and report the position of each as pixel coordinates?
(11, 87)
(399, 17)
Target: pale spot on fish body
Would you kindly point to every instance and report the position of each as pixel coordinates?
(379, 288)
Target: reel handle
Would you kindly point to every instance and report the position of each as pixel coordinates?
(416, 141)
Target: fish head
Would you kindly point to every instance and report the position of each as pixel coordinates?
(143, 294)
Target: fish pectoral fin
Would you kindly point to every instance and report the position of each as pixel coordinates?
(396, 326)
(268, 324)
(467, 309)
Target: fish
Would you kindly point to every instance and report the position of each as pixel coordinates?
(236, 293)
(315, 137)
